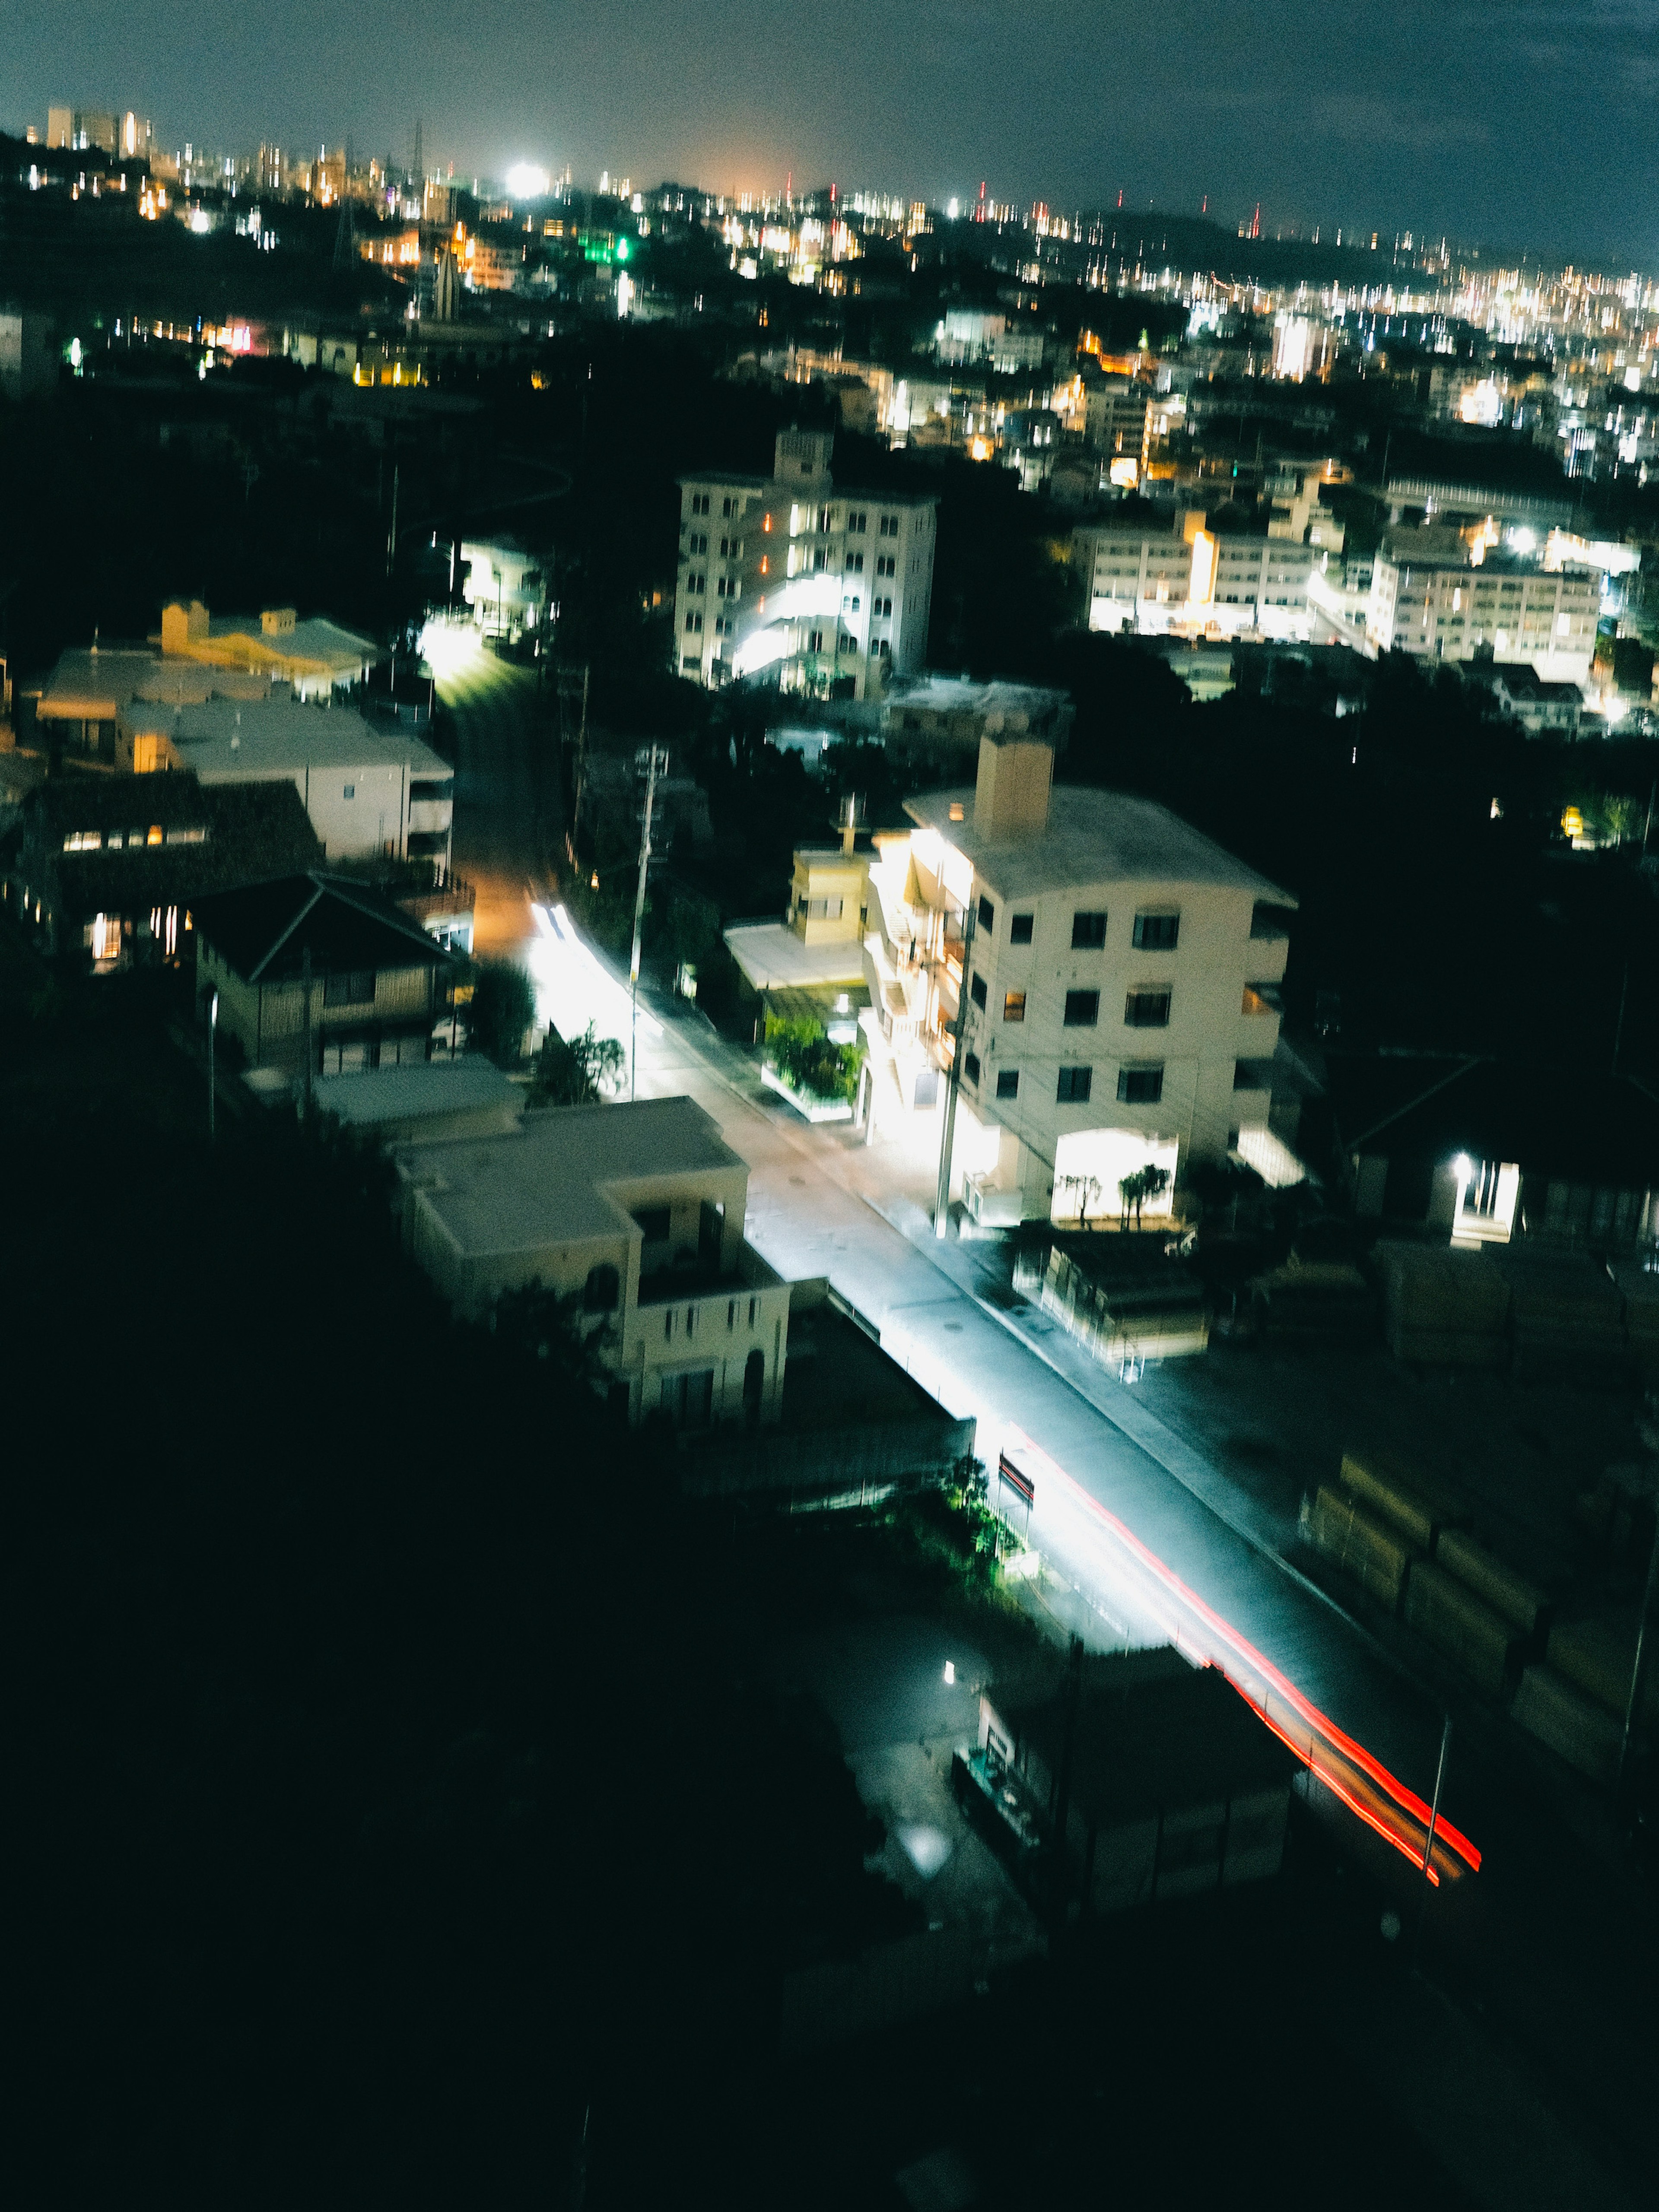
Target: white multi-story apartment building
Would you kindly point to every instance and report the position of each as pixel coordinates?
(831, 587)
(1192, 579)
(1436, 603)
(1122, 976)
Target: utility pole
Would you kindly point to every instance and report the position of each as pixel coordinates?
(391, 538)
(305, 978)
(659, 753)
(958, 1033)
(212, 1031)
(1428, 1847)
(1638, 1671)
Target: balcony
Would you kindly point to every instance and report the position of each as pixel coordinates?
(694, 1282)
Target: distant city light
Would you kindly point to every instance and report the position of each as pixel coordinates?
(527, 182)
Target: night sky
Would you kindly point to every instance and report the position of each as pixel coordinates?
(1522, 123)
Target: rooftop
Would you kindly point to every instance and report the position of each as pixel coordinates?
(250, 831)
(1031, 703)
(552, 1180)
(379, 1096)
(278, 736)
(1092, 837)
(93, 684)
(771, 956)
(316, 638)
(264, 931)
(1153, 1733)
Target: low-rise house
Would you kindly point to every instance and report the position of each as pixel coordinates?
(373, 791)
(315, 657)
(1487, 1151)
(1553, 710)
(812, 961)
(116, 867)
(313, 972)
(633, 1213)
(1150, 1779)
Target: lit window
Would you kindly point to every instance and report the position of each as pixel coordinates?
(1013, 1006)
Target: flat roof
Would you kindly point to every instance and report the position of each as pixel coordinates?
(811, 487)
(316, 638)
(956, 694)
(1092, 837)
(278, 736)
(770, 956)
(93, 684)
(550, 1182)
(400, 1094)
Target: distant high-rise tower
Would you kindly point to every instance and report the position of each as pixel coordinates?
(420, 169)
(1255, 221)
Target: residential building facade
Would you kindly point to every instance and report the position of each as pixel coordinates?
(1435, 604)
(1122, 976)
(831, 587)
(316, 973)
(1196, 580)
(633, 1213)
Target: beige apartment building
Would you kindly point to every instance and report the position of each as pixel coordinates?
(1430, 599)
(830, 586)
(1122, 974)
(633, 1212)
(1195, 581)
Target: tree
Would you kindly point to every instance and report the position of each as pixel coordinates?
(576, 1074)
(1088, 1188)
(501, 1011)
(1135, 1189)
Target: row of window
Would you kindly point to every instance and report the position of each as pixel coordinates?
(1142, 1009)
(858, 518)
(1073, 1086)
(691, 1327)
(111, 840)
(1155, 930)
(1137, 1085)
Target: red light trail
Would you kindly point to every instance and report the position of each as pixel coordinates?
(1256, 1678)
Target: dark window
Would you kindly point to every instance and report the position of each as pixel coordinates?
(970, 1067)
(1088, 932)
(976, 990)
(1147, 1009)
(356, 989)
(1007, 1083)
(1019, 929)
(987, 916)
(1074, 1086)
(351, 791)
(1252, 1075)
(1013, 1006)
(1082, 1009)
(1140, 1086)
(1156, 933)
(602, 1291)
(653, 1223)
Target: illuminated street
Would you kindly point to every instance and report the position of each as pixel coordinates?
(499, 716)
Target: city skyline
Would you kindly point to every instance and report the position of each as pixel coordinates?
(1410, 126)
